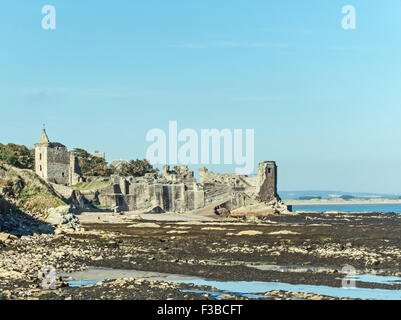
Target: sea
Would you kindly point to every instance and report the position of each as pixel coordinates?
(396, 208)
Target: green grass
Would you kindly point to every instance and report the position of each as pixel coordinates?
(91, 186)
(30, 192)
(36, 199)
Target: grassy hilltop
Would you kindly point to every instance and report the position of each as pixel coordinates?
(27, 191)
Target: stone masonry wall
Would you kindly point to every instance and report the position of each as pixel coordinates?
(144, 195)
(40, 161)
(54, 163)
(177, 190)
(241, 190)
(58, 165)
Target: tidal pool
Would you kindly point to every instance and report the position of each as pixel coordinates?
(249, 289)
(255, 287)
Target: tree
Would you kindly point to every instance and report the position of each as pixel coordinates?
(17, 155)
(91, 165)
(136, 168)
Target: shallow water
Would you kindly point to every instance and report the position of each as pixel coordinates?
(372, 278)
(250, 289)
(255, 287)
(83, 283)
(217, 294)
(396, 208)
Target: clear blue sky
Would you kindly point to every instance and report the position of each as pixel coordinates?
(325, 103)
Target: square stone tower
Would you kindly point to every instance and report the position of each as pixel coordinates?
(267, 181)
(52, 160)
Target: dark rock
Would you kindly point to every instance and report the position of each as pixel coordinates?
(156, 210)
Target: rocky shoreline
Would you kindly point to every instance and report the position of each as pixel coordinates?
(224, 250)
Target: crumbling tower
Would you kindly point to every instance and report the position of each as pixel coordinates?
(75, 174)
(267, 181)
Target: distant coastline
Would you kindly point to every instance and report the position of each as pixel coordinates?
(338, 201)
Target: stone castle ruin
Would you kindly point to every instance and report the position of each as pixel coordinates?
(54, 163)
(177, 190)
(174, 190)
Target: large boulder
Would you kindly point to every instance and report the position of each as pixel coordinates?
(63, 217)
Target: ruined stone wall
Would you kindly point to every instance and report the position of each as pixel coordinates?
(146, 194)
(178, 191)
(266, 181)
(75, 175)
(58, 164)
(178, 174)
(63, 191)
(241, 190)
